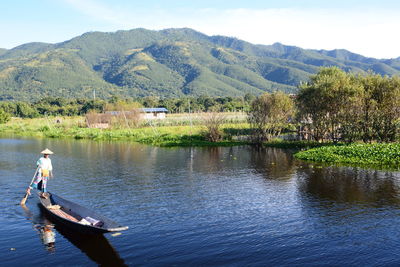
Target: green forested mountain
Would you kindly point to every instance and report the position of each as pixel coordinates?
(167, 63)
(2, 51)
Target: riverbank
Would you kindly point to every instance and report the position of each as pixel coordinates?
(185, 135)
(379, 154)
(74, 127)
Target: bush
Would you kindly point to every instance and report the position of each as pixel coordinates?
(4, 116)
(212, 122)
(97, 120)
(269, 114)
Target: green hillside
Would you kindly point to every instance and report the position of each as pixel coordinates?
(167, 63)
(2, 51)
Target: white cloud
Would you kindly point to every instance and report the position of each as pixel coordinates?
(368, 32)
(99, 11)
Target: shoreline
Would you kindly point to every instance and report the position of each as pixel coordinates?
(164, 136)
(377, 154)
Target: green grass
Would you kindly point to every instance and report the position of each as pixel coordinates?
(74, 127)
(384, 155)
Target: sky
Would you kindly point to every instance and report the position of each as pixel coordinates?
(368, 27)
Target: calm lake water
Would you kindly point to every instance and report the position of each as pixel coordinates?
(234, 206)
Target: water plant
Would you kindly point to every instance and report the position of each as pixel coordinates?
(380, 154)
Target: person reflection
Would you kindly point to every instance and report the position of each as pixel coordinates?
(44, 227)
(48, 236)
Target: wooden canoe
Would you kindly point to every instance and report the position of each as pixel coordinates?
(77, 217)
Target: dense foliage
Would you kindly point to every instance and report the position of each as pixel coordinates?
(50, 106)
(339, 106)
(4, 117)
(269, 114)
(170, 63)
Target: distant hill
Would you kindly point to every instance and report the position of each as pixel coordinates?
(2, 51)
(166, 63)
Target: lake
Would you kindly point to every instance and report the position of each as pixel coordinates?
(228, 206)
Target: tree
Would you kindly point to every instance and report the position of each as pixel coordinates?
(268, 115)
(96, 105)
(249, 97)
(151, 101)
(4, 116)
(381, 107)
(329, 103)
(169, 104)
(25, 110)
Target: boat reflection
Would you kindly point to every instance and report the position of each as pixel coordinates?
(96, 247)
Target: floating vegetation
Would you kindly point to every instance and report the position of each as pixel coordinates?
(379, 154)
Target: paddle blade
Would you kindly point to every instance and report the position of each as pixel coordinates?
(23, 201)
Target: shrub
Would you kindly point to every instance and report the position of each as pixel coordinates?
(4, 116)
(269, 114)
(212, 122)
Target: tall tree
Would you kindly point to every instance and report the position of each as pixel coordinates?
(268, 115)
(328, 103)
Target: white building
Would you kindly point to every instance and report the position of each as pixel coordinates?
(145, 113)
(154, 113)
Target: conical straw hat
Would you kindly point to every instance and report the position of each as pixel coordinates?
(47, 152)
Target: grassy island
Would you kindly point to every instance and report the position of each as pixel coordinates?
(378, 154)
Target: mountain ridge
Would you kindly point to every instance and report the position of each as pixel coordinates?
(167, 63)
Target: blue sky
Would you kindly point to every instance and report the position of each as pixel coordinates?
(366, 27)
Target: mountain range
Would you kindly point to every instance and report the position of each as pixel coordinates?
(166, 63)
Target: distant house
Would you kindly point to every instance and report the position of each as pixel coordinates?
(145, 113)
(154, 113)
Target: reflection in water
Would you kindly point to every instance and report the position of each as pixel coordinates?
(272, 162)
(214, 161)
(205, 206)
(44, 227)
(96, 247)
(350, 185)
(48, 236)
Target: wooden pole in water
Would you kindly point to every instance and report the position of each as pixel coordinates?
(23, 201)
(190, 118)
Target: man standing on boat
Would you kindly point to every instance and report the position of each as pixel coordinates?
(43, 173)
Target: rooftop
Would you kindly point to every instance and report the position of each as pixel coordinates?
(148, 110)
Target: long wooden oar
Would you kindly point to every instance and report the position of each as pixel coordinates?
(23, 201)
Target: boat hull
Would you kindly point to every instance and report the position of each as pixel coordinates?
(71, 213)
